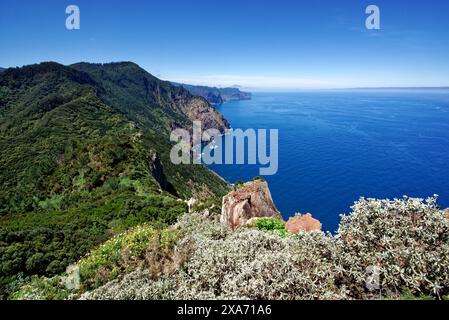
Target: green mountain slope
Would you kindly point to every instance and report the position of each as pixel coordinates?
(85, 155)
(149, 101)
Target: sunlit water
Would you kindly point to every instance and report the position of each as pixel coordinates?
(336, 146)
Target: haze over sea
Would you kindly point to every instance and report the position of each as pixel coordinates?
(336, 146)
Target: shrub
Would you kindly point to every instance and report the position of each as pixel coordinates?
(246, 264)
(46, 242)
(41, 288)
(407, 239)
(122, 254)
(137, 285)
(250, 264)
(238, 184)
(274, 225)
(213, 206)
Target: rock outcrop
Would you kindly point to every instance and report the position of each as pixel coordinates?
(134, 92)
(234, 94)
(216, 96)
(157, 171)
(304, 223)
(198, 109)
(252, 200)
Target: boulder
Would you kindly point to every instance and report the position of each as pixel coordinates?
(252, 200)
(303, 223)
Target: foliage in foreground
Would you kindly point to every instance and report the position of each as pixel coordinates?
(407, 240)
(274, 225)
(142, 247)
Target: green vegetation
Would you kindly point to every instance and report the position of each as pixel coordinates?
(199, 258)
(43, 288)
(46, 242)
(80, 186)
(76, 144)
(142, 247)
(213, 205)
(238, 184)
(408, 295)
(273, 225)
(124, 253)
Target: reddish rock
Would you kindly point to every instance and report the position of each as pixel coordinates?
(303, 223)
(252, 200)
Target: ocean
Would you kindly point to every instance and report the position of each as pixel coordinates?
(337, 146)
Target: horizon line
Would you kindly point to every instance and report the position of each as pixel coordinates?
(308, 83)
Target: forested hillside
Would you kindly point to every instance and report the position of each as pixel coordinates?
(85, 156)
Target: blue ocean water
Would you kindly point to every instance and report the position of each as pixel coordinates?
(336, 146)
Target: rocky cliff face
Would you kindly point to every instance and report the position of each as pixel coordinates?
(234, 94)
(252, 200)
(198, 109)
(138, 94)
(216, 96)
(303, 223)
(157, 171)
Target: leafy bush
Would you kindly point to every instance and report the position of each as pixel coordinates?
(212, 205)
(45, 243)
(274, 225)
(246, 264)
(124, 253)
(250, 264)
(137, 285)
(41, 288)
(407, 239)
(238, 184)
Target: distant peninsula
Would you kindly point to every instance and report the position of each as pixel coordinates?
(214, 95)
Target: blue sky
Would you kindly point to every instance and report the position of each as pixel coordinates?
(257, 44)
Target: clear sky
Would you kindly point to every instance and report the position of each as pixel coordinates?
(274, 44)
